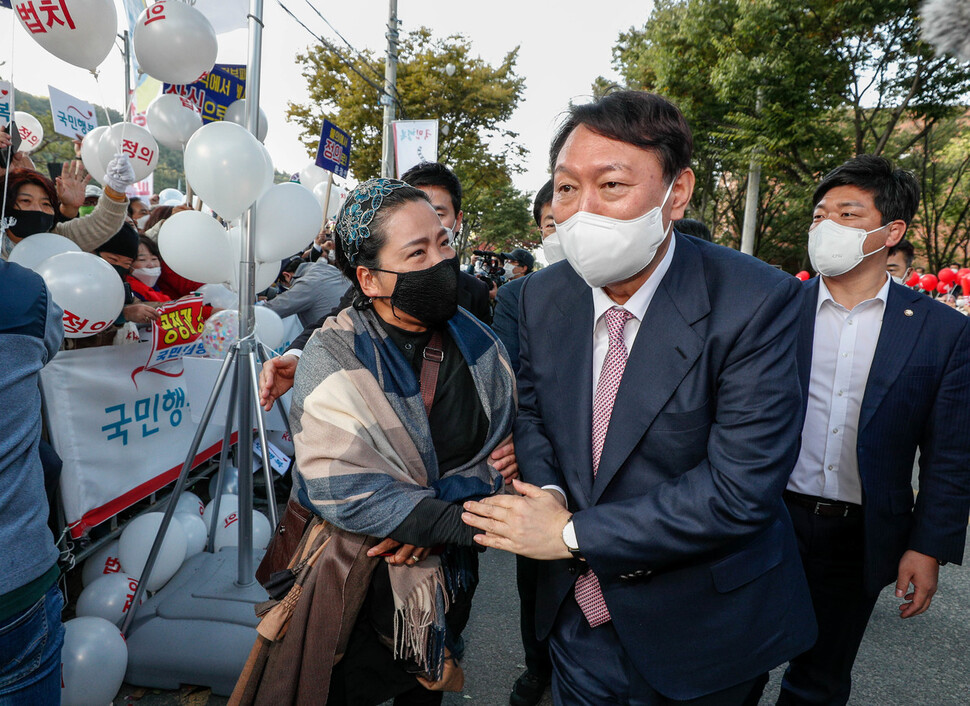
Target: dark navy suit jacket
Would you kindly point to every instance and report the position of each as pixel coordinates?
(917, 396)
(505, 318)
(684, 524)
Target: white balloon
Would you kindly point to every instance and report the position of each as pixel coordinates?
(90, 156)
(196, 247)
(227, 531)
(288, 217)
(172, 122)
(281, 440)
(226, 167)
(136, 543)
(109, 597)
(218, 296)
(270, 174)
(190, 503)
(266, 272)
(103, 562)
(30, 129)
(236, 113)
(81, 32)
(269, 326)
(170, 193)
(230, 480)
(195, 532)
(32, 251)
(174, 42)
(227, 505)
(93, 662)
(134, 140)
(88, 290)
(311, 175)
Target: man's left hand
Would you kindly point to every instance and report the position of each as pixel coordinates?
(503, 461)
(529, 525)
(922, 572)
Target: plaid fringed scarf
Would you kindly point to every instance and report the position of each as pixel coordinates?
(365, 457)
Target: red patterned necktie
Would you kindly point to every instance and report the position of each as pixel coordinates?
(589, 596)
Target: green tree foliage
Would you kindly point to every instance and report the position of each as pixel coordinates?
(801, 87)
(471, 106)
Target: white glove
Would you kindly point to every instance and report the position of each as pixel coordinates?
(119, 174)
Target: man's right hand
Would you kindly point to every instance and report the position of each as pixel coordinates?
(276, 379)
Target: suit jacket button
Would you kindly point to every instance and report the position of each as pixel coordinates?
(571, 569)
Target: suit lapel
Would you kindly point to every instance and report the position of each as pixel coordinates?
(893, 348)
(665, 349)
(574, 373)
(806, 335)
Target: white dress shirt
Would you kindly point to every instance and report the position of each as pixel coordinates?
(842, 351)
(636, 305)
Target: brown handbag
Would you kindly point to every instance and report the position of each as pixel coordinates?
(282, 545)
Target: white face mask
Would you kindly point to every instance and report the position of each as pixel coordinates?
(606, 250)
(148, 275)
(509, 270)
(552, 248)
(834, 249)
(142, 221)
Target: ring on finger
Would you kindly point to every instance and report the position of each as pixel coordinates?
(415, 558)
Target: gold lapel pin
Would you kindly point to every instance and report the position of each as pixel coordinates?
(908, 312)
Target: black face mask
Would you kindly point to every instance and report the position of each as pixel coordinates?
(430, 296)
(30, 222)
(122, 271)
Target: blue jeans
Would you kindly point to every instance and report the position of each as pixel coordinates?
(30, 653)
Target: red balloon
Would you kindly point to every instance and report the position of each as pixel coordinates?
(965, 284)
(963, 271)
(928, 282)
(803, 275)
(947, 275)
(943, 287)
(913, 280)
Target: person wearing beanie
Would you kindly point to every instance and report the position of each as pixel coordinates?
(120, 251)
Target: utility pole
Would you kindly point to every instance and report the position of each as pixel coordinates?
(751, 197)
(390, 91)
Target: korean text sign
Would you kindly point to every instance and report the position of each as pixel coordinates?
(72, 116)
(333, 154)
(176, 333)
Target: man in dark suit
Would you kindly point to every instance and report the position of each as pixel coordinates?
(885, 371)
(658, 425)
(531, 684)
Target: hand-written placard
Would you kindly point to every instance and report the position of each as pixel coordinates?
(177, 331)
(72, 116)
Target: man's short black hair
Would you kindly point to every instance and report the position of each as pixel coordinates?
(639, 118)
(435, 174)
(543, 198)
(689, 226)
(894, 191)
(906, 249)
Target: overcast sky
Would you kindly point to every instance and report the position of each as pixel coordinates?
(564, 46)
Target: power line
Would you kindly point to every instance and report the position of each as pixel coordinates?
(363, 58)
(343, 59)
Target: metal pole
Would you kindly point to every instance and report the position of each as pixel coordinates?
(326, 199)
(751, 197)
(177, 491)
(390, 91)
(263, 444)
(247, 295)
(126, 38)
(223, 459)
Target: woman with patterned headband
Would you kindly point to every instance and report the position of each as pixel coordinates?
(398, 402)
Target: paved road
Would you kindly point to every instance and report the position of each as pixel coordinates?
(919, 662)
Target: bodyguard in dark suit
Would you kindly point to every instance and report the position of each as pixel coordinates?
(658, 424)
(885, 371)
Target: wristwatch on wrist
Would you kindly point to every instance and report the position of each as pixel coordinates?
(569, 539)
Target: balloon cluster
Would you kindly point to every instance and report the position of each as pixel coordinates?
(85, 286)
(943, 282)
(94, 657)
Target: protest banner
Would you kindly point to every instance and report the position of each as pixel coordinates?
(72, 116)
(5, 103)
(415, 141)
(214, 92)
(119, 443)
(333, 152)
(176, 333)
